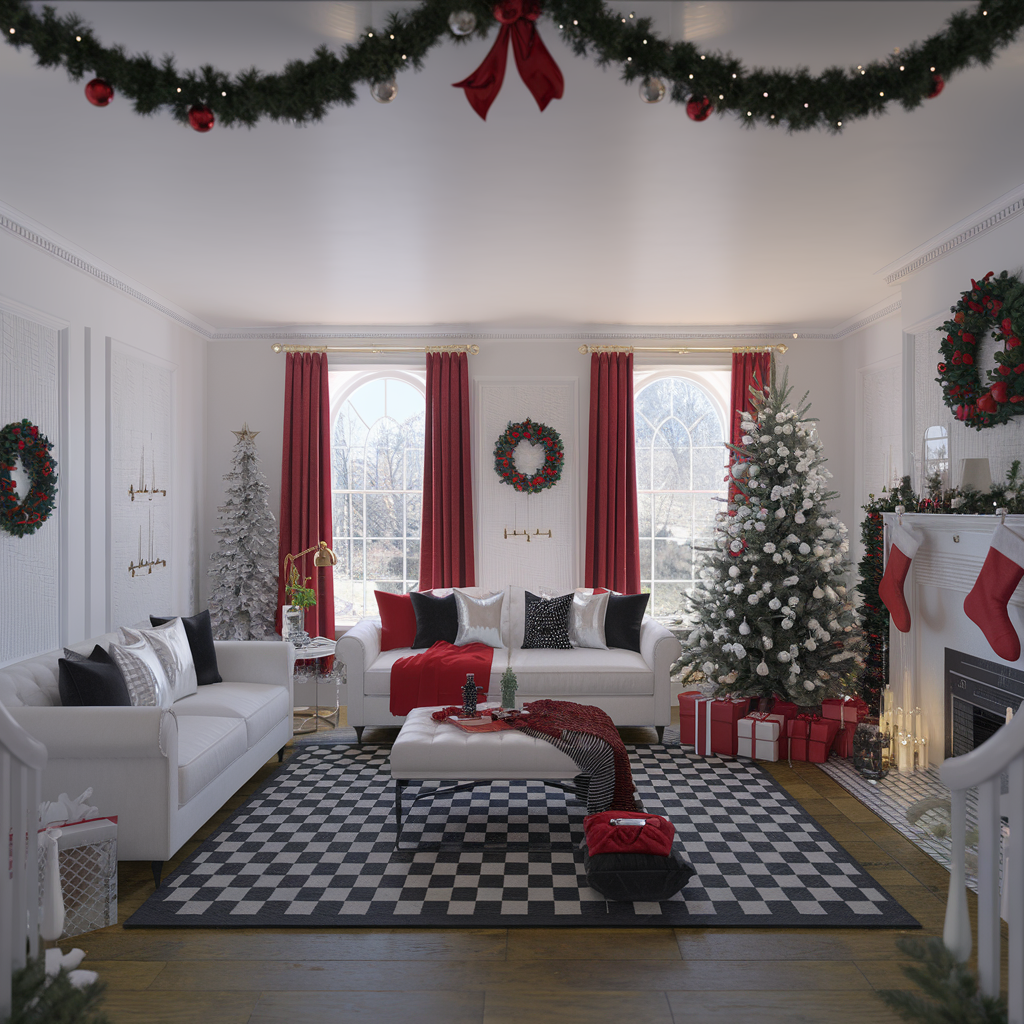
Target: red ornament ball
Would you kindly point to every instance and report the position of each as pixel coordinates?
(938, 84)
(201, 118)
(699, 108)
(99, 93)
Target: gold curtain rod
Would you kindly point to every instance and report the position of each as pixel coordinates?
(379, 350)
(591, 349)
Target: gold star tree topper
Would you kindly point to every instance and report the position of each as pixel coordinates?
(245, 434)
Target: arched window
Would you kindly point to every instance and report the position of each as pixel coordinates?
(377, 465)
(936, 458)
(680, 460)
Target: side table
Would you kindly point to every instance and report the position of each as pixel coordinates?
(308, 717)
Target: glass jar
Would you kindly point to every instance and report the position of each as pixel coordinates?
(871, 749)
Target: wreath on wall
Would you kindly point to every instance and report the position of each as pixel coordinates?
(991, 302)
(505, 456)
(23, 440)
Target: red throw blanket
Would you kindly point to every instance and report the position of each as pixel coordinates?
(437, 675)
(553, 717)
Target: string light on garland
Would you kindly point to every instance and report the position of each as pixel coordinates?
(305, 90)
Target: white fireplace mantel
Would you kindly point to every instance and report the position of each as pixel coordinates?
(944, 570)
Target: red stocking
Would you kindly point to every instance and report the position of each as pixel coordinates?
(986, 604)
(905, 542)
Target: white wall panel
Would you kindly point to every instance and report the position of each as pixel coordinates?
(30, 566)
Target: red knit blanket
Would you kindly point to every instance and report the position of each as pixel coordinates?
(553, 717)
(437, 675)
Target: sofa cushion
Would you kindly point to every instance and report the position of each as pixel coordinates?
(397, 620)
(260, 705)
(437, 618)
(581, 672)
(92, 682)
(170, 641)
(206, 746)
(623, 620)
(143, 672)
(199, 631)
(547, 622)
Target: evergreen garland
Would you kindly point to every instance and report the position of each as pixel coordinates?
(951, 988)
(39, 999)
(305, 90)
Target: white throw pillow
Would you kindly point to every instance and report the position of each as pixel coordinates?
(144, 675)
(479, 619)
(586, 620)
(170, 642)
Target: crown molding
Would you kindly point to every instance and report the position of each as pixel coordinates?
(54, 245)
(49, 242)
(1002, 209)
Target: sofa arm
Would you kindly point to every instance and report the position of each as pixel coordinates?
(105, 733)
(255, 661)
(359, 648)
(660, 649)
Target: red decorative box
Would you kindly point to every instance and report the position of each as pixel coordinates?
(786, 708)
(715, 724)
(843, 745)
(844, 709)
(686, 719)
(810, 738)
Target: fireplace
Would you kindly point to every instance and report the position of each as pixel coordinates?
(978, 692)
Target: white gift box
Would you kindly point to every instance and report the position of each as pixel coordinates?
(758, 736)
(87, 854)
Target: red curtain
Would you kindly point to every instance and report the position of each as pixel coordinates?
(446, 546)
(748, 369)
(306, 483)
(613, 529)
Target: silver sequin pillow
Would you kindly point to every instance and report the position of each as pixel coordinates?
(143, 674)
(170, 642)
(479, 619)
(586, 620)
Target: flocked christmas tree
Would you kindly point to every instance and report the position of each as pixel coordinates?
(243, 573)
(773, 615)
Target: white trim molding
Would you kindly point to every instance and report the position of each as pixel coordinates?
(1002, 209)
(887, 307)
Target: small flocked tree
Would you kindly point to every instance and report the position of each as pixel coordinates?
(243, 573)
(773, 615)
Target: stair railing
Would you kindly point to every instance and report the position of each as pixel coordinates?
(22, 759)
(984, 767)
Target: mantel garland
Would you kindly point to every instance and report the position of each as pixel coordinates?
(990, 301)
(536, 433)
(305, 90)
(23, 440)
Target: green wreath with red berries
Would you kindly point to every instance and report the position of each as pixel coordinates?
(992, 302)
(24, 441)
(536, 433)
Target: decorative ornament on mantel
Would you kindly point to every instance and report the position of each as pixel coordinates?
(306, 90)
(22, 440)
(505, 456)
(991, 302)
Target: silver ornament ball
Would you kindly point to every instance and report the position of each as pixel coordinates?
(652, 90)
(384, 92)
(461, 22)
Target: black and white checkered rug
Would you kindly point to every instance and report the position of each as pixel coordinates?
(316, 847)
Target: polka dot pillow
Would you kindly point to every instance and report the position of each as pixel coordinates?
(547, 622)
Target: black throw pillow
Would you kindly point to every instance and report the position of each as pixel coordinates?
(632, 877)
(437, 618)
(199, 631)
(547, 622)
(92, 682)
(622, 620)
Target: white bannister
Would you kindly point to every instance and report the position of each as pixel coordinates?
(22, 760)
(982, 768)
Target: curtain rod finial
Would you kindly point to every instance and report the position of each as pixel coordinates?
(474, 350)
(783, 349)
(276, 347)
(583, 349)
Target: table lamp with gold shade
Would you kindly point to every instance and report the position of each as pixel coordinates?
(302, 597)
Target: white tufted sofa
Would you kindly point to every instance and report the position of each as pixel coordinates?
(162, 771)
(633, 688)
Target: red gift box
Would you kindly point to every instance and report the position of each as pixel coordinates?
(715, 724)
(844, 709)
(810, 738)
(843, 745)
(687, 699)
(786, 708)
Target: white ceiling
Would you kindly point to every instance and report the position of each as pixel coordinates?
(602, 209)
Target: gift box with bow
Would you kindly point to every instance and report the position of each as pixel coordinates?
(844, 709)
(786, 708)
(709, 723)
(810, 738)
(758, 735)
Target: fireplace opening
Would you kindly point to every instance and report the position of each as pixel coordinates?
(978, 692)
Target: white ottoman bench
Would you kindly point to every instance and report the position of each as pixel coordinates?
(429, 751)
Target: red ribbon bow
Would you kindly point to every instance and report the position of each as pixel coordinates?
(537, 67)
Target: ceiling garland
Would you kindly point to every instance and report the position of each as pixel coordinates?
(706, 82)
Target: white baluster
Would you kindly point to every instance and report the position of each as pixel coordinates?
(956, 933)
(53, 898)
(988, 886)
(1015, 900)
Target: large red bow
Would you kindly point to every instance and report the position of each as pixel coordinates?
(537, 67)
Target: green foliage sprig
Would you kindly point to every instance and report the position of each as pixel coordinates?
(37, 999)
(305, 90)
(952, 989)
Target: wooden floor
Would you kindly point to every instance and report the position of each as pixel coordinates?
(526, 975)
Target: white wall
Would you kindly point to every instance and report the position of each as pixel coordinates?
(94, 312)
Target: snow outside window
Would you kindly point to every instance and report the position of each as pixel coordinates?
(680, 462)
(377, 421)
